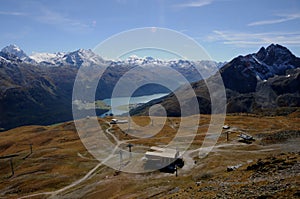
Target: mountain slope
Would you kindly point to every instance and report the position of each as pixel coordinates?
(38, 89)
(34, 95)
(244, 72)
(266, 80)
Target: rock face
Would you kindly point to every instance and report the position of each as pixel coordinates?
(258, 82)
(244, 72)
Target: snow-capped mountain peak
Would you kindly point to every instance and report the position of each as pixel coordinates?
(12, 48)
(47, 58)
(76, 58)
(18, 53)
(82, 57)
(15, 50)
(134, 59)
(275, 60)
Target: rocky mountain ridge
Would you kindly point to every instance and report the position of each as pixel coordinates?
(265, 81)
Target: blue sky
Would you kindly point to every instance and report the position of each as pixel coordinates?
(225, 28)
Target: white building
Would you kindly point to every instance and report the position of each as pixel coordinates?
(164, 156)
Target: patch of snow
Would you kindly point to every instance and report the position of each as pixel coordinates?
(256, 60)
(47, 57)
(2, 58)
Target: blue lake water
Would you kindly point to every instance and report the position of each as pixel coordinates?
(118, 104)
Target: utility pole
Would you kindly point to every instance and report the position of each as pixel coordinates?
(31, 151)
(129, 148)
(10, 157)
(121, 158)
(12, 167)
(30, 148)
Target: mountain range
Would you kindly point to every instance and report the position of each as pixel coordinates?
(266, 82)
(37, 89)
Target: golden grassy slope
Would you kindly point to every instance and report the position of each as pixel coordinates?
(59, 159)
